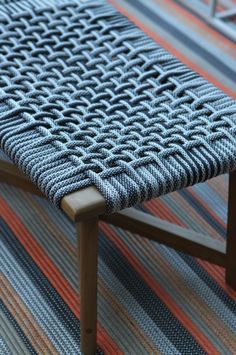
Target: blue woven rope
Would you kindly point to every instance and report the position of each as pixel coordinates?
(87, 99)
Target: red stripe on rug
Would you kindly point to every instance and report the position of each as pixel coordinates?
(216, 272)
(158, 208)
(160, 292)
(61, 285)
(173, 50)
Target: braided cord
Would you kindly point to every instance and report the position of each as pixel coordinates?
(86, 98)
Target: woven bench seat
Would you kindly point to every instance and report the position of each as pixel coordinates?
(86, 98)
(99, 117)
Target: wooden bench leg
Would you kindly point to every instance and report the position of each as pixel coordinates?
(87, 232)
(230, 272)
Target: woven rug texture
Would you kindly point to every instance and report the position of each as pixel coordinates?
(151, 299)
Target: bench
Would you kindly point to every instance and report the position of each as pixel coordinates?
(98, 118)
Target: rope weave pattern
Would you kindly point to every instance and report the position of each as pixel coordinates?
(87, 99)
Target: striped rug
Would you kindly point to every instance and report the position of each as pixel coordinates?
(151, 299)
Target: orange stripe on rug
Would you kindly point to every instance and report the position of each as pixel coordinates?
(160, 292)
(218, 274)
(61, 285)
(215, 271)
(19, 310)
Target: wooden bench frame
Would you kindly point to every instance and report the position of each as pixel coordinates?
(86, 207)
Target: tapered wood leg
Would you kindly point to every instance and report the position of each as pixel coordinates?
(230, 271)
(87, 232)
